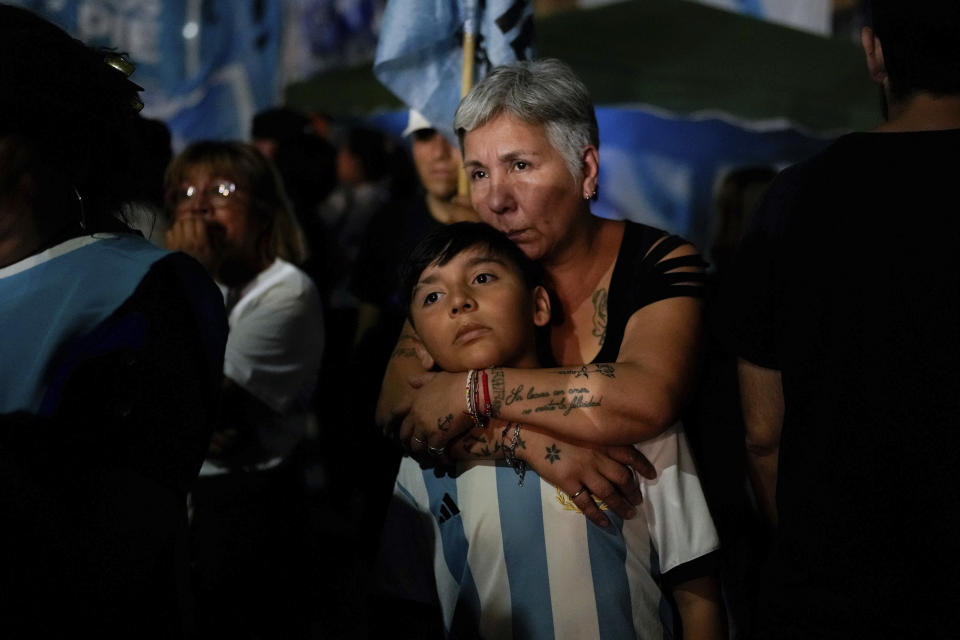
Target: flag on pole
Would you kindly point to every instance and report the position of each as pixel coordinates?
(420, 56)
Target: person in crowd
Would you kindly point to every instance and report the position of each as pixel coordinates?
(845, 307)
(110, 361)
(364, 189)
(229, 211)
(625, 331)
(272, 127)
(144, 211)
(476, 299)
(394, 231)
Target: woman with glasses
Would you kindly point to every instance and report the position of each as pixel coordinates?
(229, 211)
(110, 358)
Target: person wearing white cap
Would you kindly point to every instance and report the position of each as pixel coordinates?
(392, 234)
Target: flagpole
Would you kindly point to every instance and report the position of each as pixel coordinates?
(466, 76)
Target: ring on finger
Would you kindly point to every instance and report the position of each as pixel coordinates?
(577, 494)
(437, 451)
(419, 440)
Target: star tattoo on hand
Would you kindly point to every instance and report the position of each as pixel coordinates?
(553, 453)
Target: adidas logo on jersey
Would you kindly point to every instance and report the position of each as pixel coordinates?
(448, 509)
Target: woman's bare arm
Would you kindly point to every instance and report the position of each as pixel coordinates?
(409, 361)
(631, 400)
(607, 473)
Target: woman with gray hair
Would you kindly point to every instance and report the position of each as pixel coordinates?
(626, 341)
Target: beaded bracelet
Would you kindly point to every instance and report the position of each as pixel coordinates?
(510, 450)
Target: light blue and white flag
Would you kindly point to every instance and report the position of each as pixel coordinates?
(420, 53)
(662, 169)
(206, 66)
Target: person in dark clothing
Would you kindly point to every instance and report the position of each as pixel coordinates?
(110, 361)
(845, 306)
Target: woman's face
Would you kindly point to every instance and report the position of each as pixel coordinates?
(232, 229)
(520, 184)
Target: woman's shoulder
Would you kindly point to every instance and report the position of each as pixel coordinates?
(645, 247)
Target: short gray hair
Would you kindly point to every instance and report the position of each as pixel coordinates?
(545, 92)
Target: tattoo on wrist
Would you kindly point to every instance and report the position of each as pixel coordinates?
(496, 390)
(553, 453)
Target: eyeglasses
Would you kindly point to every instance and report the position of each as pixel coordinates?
(217, 194)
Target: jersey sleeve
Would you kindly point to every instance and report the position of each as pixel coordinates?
(679, 522)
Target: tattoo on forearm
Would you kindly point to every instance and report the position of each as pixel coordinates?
(566, 401)
(496, 390)
(404, 352)
(600, 315)
(445, 423)
(553, 453)
(479, 446)
(607, 370)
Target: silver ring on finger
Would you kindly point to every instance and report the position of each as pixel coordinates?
(437, 451)
(419, 440)
(577, 494)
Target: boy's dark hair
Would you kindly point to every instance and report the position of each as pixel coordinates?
(921, 44)
(443, 244)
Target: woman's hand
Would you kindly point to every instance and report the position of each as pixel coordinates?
(583, 471)
(437, 414)
(191, 235)
(408, 364)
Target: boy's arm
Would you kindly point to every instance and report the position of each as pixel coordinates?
(699, 605)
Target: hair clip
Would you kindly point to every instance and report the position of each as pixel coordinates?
(120, 63)
(124, 66)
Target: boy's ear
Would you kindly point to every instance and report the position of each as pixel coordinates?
(541, 306)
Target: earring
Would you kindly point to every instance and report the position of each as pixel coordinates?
(590, 196)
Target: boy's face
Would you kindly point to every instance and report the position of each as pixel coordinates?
(476, 311)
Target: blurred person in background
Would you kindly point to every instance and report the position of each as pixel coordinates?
(230, 212)
(110, 361)
(845, 311)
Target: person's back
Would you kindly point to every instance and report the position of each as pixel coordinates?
(847, 288)
(867, 345)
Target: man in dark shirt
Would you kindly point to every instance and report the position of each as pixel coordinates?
(846, 310)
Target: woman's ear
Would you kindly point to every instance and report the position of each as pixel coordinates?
(541, 306)
(873, 52)
(590, 162)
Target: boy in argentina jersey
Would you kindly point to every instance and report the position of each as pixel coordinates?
(519, 560)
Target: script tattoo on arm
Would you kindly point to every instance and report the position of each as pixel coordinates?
(405, 346)
(565, 400)
(600, 316)
(606, 370)
(496, 390)
(404, 352)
